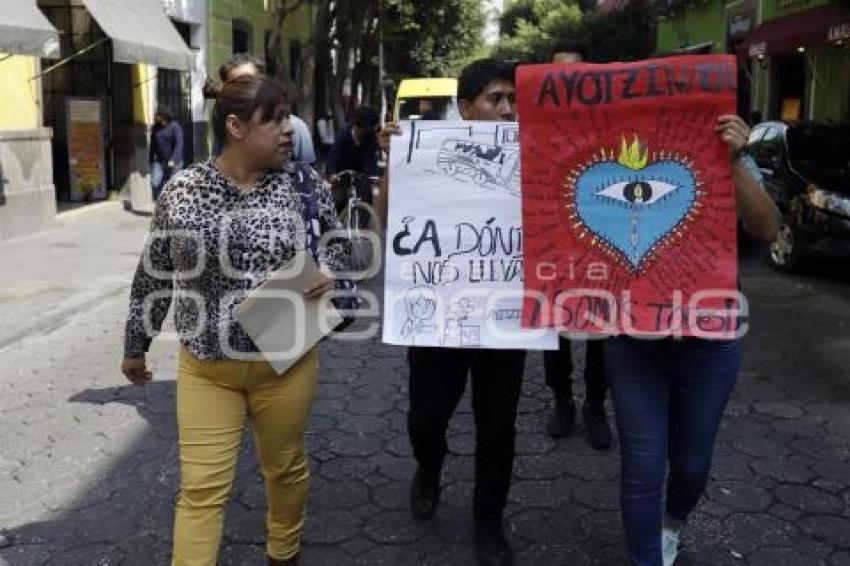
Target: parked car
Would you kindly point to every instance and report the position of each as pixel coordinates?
(806, 170)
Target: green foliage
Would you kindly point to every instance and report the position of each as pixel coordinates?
(530, 28)
(434, 38)
(627, 34)
(536, 25)
(528, 43)
(513, 14)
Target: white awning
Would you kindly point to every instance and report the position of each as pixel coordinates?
(25, 31)
(141, 33)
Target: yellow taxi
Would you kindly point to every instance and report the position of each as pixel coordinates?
(426, 99)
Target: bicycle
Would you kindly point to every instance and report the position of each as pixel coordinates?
(353, 193)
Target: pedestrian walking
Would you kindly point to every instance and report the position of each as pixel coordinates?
(558, 364)
(557, 370)
(220, 228)
(438, 376)
(166, 150)
(243, 64)
(669, 396)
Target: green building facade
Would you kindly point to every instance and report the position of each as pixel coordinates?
(794, 55)
(693, 24)
(247, 25)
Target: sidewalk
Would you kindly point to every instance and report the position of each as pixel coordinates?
(48, 277)
(88, 470)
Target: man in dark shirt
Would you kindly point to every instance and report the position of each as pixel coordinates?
(356, 145)
(558, 364)
(438, 375)
(166, 150)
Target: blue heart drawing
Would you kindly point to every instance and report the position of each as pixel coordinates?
(634, 208)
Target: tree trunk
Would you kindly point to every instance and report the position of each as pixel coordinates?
(324, 93)
(355, 27)
(275, 47)
(305, 90)
(338, 69)
(346, 32)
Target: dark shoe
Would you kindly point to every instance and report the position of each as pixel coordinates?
(286, 562)
(597, 431)
(491, 545)
(424, 494)
(563, 418)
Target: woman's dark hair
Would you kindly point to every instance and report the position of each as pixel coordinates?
(477, 75)
(242, 97)
(238, 60)
(165, 113)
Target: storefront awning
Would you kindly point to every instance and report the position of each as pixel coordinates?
(141, 33)
(803, 29)
(697, 49)
(25, 31)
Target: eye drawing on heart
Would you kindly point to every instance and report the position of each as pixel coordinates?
(633, 206)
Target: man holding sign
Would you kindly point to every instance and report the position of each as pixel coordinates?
(474, 168)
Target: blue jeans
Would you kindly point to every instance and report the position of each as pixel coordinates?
(669, 396)
(160, 174)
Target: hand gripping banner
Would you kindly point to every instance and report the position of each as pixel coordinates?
(628, 201)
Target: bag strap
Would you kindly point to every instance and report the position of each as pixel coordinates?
(302, 178)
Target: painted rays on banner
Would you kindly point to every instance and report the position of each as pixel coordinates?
(633, 205)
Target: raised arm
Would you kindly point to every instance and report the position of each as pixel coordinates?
(384, 136)
(757, 211)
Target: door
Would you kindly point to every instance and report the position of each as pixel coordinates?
(789, 81)
(86, 76)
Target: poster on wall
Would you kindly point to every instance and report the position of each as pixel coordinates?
(454, 267)
(86, 149)
(628, 200)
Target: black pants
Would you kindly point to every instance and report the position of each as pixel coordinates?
(437, 382)
(558, 366)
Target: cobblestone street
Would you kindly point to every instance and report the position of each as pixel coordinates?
(88, 467)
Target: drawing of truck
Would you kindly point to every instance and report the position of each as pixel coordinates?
(487, 165)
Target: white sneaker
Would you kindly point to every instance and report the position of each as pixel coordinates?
(669, 546)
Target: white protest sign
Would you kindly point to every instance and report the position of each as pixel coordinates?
(454, 272)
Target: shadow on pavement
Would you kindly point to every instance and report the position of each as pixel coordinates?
(123, 514)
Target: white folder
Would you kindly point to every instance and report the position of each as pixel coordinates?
(282, 322)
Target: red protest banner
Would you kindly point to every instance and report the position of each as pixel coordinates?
(629, 219)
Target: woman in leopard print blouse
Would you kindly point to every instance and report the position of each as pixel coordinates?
(219, 230)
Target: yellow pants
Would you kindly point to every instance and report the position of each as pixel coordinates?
(213, 400)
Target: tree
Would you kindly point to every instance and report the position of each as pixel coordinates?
(340, 61)
(434, 38)
(348, 51)
(535, 31)
(301, 94)
(513, 14)
(275, 45)
(335, 58)
(626, 34)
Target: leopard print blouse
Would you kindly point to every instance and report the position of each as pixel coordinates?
(211, 244)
